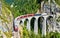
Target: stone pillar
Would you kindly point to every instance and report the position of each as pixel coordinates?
(44, 27)
(36, 26)
(54, 23)
(28, 24)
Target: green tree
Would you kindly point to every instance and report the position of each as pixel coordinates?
(21, 7)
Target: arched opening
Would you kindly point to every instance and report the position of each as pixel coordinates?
(40, 20)
(32, 23)
(25, 22)
(49, 25)
(20, 21)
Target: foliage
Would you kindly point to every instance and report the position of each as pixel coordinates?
(58, 19)
(58, 2)
(6, 19)
(21, 7)
(31, 34)
(8, 34)
(53, 35)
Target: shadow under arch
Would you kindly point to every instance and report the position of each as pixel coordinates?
(49, 22)
(32, 23)
(40, 20)
(49, 17)
(25, 22)
(21, 22)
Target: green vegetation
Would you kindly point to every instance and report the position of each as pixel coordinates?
(57, 1)
(8, 34)
(58, 19)
(31, 34)
(21, 7)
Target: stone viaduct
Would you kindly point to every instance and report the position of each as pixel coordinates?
(20, 21)
(44, 21)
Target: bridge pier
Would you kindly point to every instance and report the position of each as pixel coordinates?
(36, 26)
(44, 27)
(28, 24)
(36, 17)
